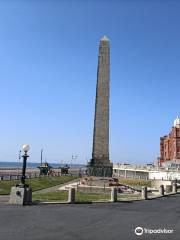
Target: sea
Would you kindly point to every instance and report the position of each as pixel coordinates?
(35, 165)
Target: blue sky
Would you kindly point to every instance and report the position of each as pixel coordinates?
(48, 66)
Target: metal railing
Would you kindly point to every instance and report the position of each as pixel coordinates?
(9, 177)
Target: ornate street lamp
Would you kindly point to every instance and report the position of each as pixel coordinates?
(21, 194)
(26, 148)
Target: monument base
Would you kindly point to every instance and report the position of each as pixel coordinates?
(100, 170)
(21, 195)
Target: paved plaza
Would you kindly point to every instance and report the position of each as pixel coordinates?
(108, 221)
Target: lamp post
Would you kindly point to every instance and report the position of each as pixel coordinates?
(19, 157)
(73, 157)
(26, 148)
(21, 194)
(41, 156)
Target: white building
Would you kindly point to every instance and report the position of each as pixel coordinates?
(145, 172)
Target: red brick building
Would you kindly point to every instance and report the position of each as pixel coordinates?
(170, 145)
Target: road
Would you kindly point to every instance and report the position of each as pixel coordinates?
(107, 221)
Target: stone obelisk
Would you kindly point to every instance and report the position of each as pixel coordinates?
(100, 164)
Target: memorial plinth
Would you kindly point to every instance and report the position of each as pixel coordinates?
(21, 195)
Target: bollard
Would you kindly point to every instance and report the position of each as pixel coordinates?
(161, 190)
(174, 188)
(71, 195)
(144, 193)
(113, 194)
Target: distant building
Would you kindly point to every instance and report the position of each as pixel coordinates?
(145, 172)
(170, 146)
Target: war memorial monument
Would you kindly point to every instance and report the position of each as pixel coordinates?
(100, 164)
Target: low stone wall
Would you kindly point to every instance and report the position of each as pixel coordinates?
(93, 189)
(96, 181)
(157, 183)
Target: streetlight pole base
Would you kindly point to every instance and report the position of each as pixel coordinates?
(21, 195)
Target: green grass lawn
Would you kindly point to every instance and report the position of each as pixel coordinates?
(63, 196)
(135, 182)
(81, 197)
(35, 183)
